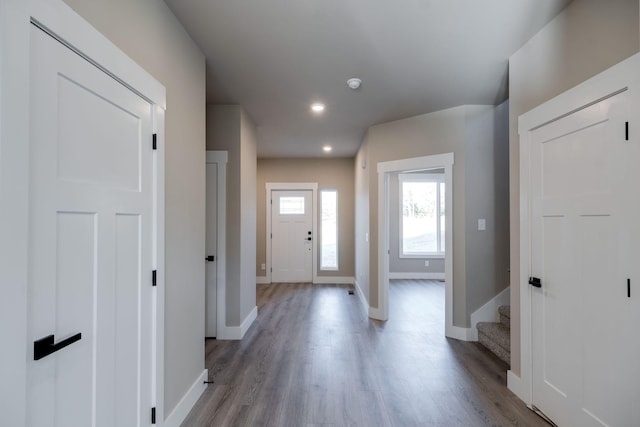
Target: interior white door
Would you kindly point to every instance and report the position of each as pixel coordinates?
(91, 204)
(291, 236)
(584, 250)
(211, 246)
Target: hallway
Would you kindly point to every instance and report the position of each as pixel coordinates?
(314, 358)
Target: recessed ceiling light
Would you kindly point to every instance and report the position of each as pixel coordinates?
(327, 148)
(354, 83)
(317, 107)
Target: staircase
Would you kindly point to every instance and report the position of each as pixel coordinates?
(496, 336)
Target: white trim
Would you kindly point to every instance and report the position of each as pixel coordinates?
(417, 276)
(413, 164)
(71, 29)
(262, 280)
(188, 401)
(489, 311)
(517, 386)
(363, 300)
(283, 186)
(620, 77)
(237, 332)
(462, 334)
(220, 158)
(331, 280)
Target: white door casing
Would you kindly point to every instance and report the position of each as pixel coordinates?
(580, 232)
(292, 236)
(74, 222)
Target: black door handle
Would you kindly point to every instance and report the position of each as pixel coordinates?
(45, 346)
(210, 258)
(308, 238)
(535, 282)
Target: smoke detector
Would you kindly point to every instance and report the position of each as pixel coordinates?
(354, 83)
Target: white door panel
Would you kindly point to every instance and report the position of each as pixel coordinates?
(211, 243)
(581, 241)
(292, 236)
(90, 243)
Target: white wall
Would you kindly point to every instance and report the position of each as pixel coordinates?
(586, 38)
(149, 33)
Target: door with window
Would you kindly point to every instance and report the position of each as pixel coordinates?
(291, 236)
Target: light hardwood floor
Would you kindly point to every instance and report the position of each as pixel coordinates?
(314, 358)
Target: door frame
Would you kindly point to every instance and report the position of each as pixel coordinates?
(220, 158)
(60, 21)
(385, 169)
(284, 186)
(619, 78)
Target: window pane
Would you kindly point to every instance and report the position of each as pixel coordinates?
(329, 230)
(419, 217)
(442, 227)
(292, 205)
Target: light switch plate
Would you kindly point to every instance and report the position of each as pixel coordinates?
(482, 224)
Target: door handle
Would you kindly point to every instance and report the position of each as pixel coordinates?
(535, 282)
(308, 238)
(210, 258)
(45, 346)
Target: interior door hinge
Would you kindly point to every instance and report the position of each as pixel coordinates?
(628, 288)
(154, 277)
(153, 415)
(155, 141)
(626, 131)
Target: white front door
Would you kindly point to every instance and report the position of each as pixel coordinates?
(291, 236)
(211, 273)
(91, 225)
(584, 236)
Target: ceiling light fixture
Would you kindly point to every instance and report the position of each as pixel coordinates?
(317, 107)
(354, 83)
(327, 148)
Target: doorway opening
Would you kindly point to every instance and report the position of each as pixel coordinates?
(416, 164)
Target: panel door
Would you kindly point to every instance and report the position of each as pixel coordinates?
(91, 207)
(211, 246)
(583, 233)
(292, 236)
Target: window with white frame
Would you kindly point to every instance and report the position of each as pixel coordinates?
(422, 225)
(328, 230)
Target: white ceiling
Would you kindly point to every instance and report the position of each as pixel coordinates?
(276, 57)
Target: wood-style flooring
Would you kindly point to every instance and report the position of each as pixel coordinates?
(313, 358)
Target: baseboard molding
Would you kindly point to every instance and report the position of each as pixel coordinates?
(517, 387)
(182, 409)
(262, 280)
(489, 311)
(462, 334)
(237, 332)
(423, 276)
(330, 280)
(363, 300)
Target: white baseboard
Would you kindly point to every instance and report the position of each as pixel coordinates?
(330, 280)
(423, 276)
(462, 334)
(262, 280)
(187, 402)
(376, 313)
(237, 332)
(363, 300)
(517, 387)
(489, 311)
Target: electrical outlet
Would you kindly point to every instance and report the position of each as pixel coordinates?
(426, 263)
(264, 266)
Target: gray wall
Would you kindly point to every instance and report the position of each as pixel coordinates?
(463, 131)
(230, 129)
(405, 265)
(329, 174)
(148, 32)
(588, 37)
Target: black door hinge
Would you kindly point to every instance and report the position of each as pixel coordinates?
(155, 141)
(154, 277)
(626, 131)
(153, 415)
(628, 288)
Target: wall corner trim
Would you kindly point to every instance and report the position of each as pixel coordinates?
(517, 387)
(188, 401)
(237, 332)
(361, 297)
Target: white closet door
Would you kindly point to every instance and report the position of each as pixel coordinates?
(90, 242)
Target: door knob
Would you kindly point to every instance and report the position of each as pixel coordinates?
(45, 346)
(308, 238)
(535, 282)
(210, 258)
